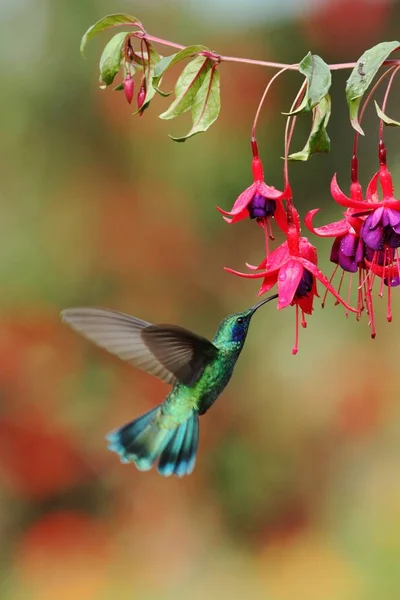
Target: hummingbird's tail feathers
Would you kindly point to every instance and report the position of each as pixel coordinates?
(179, 456)
(143, 441)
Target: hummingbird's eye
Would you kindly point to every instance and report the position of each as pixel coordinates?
(239, 320)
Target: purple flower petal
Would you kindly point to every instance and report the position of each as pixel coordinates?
(373, 219)
(305, 285)
(385, 218)
(375, 256)
(374, 238)
(347, 263)
(394, 281)
(360, 251)
(335, 251)
(348, 245)
(392, 238)
(260, 207)
(393, 216)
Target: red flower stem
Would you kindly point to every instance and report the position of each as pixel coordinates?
(289, 133)
(366, 102)
(142, 43)
(250, 61)
(385, 99)
(148, 59)
(271, 81)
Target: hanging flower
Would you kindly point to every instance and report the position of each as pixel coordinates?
(293, 267)
(380, 230)
(259, 201)
(348, 250)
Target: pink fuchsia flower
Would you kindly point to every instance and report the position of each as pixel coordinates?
(381, 228)
(380, 231)
(348, 250)
(293, 267)
(259, 201)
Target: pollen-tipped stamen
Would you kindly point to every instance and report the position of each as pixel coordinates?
(266, 237)
(389, 304)
(296, 339)
(370, 306)
(330, 281)
(349, 293)
(340, 287)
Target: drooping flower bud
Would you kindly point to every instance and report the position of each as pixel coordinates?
(129, 87)
(141, 95)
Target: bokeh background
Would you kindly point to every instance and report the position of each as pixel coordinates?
(296, 492)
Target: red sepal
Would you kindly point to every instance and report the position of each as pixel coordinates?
(334, 229)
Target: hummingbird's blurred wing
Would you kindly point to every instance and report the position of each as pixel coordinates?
(169, 352)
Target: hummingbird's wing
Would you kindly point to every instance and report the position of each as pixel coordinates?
(169, 352)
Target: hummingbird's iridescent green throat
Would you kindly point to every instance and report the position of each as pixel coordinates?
(197, 369)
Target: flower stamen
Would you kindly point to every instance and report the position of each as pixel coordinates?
(296, 338)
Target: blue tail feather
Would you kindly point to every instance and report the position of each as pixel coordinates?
(185, 462)
(166, 464)
(143, 441)
(179, 456)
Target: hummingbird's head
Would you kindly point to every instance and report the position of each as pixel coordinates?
(233, 329)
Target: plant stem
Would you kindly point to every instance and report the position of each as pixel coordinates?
(250, 61)
(385, 99)
(365, 104)
(271, 81)
(291, 120)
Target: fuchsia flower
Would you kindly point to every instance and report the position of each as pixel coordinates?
(348, 250)
(259, 201)
(293, 266)
(380, 231)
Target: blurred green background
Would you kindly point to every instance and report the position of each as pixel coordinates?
(296, 492)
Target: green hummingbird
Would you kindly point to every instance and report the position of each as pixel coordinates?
(197, 369)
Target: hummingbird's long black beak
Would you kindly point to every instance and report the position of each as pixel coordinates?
(254, 308)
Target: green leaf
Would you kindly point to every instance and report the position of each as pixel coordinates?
(206, 105)
(362, 75)
(106, 23)
(118, 88)
(110, 60)
(168, 61)
(387, 120)
(187, 86)
(318, 140)
(319, 79)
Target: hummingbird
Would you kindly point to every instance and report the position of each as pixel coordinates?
(198, 370)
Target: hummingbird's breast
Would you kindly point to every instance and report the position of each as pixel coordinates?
(213, 381)
(200, 396)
